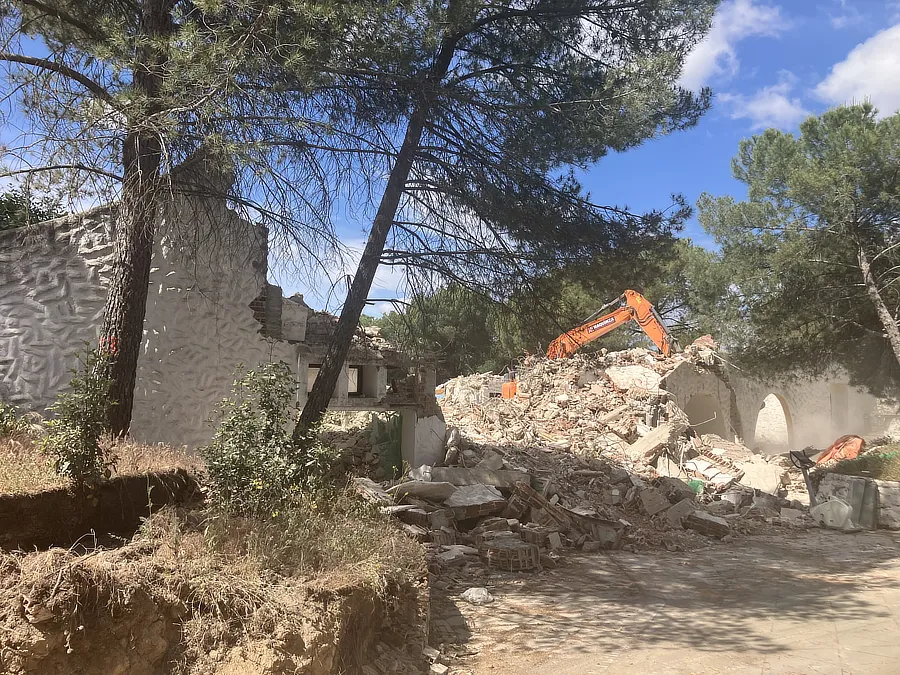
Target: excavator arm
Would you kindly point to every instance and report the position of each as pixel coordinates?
(632, 307)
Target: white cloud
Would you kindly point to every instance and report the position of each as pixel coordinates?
(871, 72)
(769, 107)
(735, 20)
(848, 16)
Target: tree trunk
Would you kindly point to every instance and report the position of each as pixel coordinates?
(884, 314)
(123, 322)
(339, 347)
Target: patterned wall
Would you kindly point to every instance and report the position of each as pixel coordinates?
(208, 266)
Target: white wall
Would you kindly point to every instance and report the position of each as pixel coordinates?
(198, 326)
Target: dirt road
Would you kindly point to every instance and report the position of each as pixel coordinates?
(797, 603)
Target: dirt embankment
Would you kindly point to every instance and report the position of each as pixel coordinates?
(164, 603)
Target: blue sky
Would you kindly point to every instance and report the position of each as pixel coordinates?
(769, 64)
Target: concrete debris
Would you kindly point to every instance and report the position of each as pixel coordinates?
(704, 523)
(491, 460)
(680, 511)
(473, 501)
(438, 669)
(792, 516)
(634, 377)
(592, 453)
(647, 449)
(478, 596)
(721, 507)
(653, 501)
(430, 490)
(479, 475)
(675, 489)
(760, 475)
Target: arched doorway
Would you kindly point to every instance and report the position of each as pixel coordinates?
(705, 415)
(774, 430)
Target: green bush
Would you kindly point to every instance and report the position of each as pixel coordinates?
(79, 422)
(253, 465)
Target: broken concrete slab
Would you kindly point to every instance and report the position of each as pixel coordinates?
(630, 377)
(473, 501)
(477, 476)
(722, 507)
(430, 490)
(647, 448)
(491, 461)
(653, 501)
(704, 523)
(675, 489)
(680, 511)
(762, 476)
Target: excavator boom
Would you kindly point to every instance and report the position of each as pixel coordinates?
(632, 306)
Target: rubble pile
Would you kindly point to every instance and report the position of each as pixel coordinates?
(591, 453)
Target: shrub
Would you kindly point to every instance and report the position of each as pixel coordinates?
(79, 422)
(253, 465)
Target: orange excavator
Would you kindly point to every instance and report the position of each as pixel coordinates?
(632, 306)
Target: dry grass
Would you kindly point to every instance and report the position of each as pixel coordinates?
(24, 469)
(137, 458)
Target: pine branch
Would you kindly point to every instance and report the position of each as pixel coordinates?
(61, 69)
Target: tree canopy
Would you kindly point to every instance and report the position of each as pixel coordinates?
(812, 256)
(495, 106)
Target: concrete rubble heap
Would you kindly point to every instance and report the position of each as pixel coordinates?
(591, 453)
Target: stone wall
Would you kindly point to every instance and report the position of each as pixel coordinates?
(809, 412)
(208, 267)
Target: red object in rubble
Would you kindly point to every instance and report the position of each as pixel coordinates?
(846, 447)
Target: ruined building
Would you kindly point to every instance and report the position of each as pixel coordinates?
(210, 308)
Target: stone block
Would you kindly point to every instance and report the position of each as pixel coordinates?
(712, 526)
(653, 501)
(491, 460)
(647, 448)
(681, 510)
(762, 476)
(473, 501)
(720, 508)
(675, 489)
